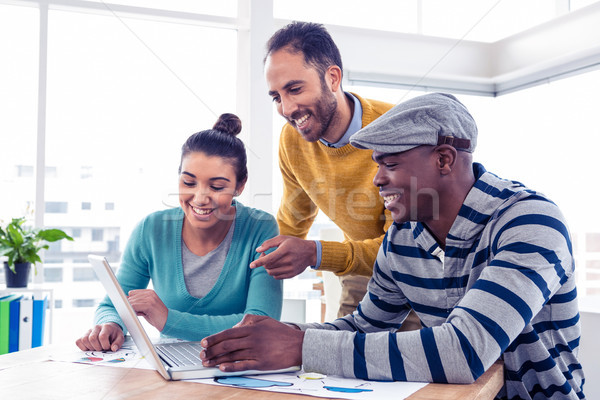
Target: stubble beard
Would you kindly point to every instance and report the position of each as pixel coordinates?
(325, 114)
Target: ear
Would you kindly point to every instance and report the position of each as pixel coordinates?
(333, 77)
(240, 188)
(446, 158)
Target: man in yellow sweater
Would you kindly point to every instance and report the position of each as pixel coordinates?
(320, 169)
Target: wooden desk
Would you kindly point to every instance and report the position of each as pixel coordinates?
(29, 375)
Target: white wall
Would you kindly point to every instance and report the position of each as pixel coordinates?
(589, 351)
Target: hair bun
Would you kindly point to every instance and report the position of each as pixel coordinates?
(228, 123)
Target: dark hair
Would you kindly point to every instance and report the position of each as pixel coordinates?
(220, 141)
(310, 39)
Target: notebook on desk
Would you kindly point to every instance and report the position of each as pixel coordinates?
(174, 361)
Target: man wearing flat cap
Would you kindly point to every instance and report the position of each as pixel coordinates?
(485, 263)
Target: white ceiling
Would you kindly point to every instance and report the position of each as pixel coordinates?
(566, 45)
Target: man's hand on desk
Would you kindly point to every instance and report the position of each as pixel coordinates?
(102, 337)
(291, 257)
(257, 342)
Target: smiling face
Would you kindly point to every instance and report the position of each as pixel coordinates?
(408, 183)
(206, 188)
(300, 94)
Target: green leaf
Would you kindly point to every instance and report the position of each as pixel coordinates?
(18, 222)
(52, 235)
(6, 251)
(29, 254)
(4, 246)
(14, 235)
(12, 268)
(23, 244)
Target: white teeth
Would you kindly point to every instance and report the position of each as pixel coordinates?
(302, 120)
(390, 197)
(201, 211)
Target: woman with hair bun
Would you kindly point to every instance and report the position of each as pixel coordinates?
(197, 255)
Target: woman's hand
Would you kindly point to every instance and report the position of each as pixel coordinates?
(145, 302)
(102, 337)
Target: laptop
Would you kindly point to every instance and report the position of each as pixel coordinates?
(174, 361)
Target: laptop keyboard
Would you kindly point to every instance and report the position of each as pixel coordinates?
(181, 354)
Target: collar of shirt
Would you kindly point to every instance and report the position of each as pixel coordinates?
(488, 197)
(355, 124)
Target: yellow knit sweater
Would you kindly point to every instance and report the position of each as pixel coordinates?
(339, 182)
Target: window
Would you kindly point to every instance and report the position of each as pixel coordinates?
(400, 16)
(51, 172)
(55, 247)
(113, 245)
(124, 141)
(83, 274)
(56, 207)
(24, 171)
(222, 7)
(84, 303)
(97, 235)
(52, 260)
(53, 274)
(86, 172)
(75, 233)
(18, 102)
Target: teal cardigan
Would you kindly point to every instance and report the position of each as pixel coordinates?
(154, 253)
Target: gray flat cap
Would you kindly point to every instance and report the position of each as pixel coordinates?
(431, 119)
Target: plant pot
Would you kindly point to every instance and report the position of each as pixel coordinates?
(18, 279)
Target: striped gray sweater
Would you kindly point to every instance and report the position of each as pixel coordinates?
(503, 288)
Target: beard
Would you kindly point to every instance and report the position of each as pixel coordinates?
(322, 118)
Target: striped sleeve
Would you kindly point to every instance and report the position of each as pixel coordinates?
(530, 261)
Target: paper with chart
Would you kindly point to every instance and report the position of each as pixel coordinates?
(299, 382)
(318, 385)
(126, 357)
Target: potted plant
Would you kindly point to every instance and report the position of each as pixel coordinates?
(21, 245)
